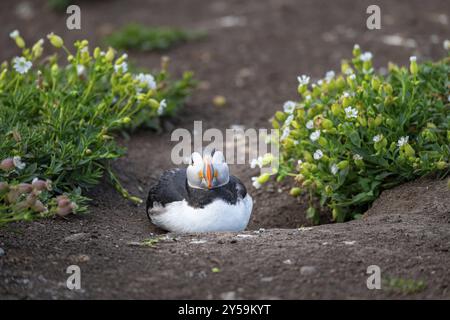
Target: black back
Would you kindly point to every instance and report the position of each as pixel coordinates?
(173, 186)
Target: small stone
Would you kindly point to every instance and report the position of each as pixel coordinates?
(288, 261)
(245, 236)
(349, 243)
(231, 295)
(305, 228)
(76, 237)
(266, 279)
(2, 252)
(200, 241)
(81, 258)
(307, 270)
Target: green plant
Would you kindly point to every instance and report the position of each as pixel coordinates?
(404, 286)
(355, 134)
(139, 37)
(58, 121)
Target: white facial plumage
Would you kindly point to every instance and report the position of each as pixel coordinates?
(208, 172)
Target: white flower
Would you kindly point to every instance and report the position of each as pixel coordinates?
(123, 67)
(308, 97)
(351, 112)
(334, 169)
(289, 120)
(320, 82)
(299, 163)
(18, 163)
(81, 70)
(85, 50)
(356, 47)
(14, 34)
(256, 162)
(377, 138)
(402, 141)
(146, 79)
(329, 75)
(22, 65)
(318, 154)
(348, 71)
(357, 157)
(285, 134)
(412, 59)
(162, 106)
(366, 56)
(315, 135)
(352, 76)
(289, 106)
(303, 80)
(255, 183)
(310, 125)
(447, 44)
(346, 94)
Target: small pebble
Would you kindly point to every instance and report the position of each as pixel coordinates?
(231, 295)
(307, 270)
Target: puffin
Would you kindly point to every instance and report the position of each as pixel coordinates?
(203, 197)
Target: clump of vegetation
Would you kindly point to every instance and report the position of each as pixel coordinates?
(58, 118)
(139, 37)
(404, 286)
(355, 134)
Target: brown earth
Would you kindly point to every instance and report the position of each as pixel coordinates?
(254, 64)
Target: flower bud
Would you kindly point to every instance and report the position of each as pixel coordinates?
(307, 156)
(388, 89)
(375, 83)
(24, 188)
(342, 165)
(62, 201)
(7, 164)
(55, 40)
(38, 206)
(327, 124)
(441, 165)
(413, 67)
(295, 192)
(409, 151)
(63, 211)
(378, 120)
(97, 52)
(306, 183)
(336, 109)
(263, 178)
(109, 56)
(37, 49)
(356, 51)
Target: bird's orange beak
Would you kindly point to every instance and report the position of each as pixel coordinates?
(209, 174)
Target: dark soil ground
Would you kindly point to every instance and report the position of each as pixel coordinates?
(253, 64)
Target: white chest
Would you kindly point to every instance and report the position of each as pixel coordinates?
(217, 216)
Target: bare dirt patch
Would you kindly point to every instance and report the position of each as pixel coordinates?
(254, 64)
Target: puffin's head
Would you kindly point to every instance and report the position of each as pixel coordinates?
(208, 172)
